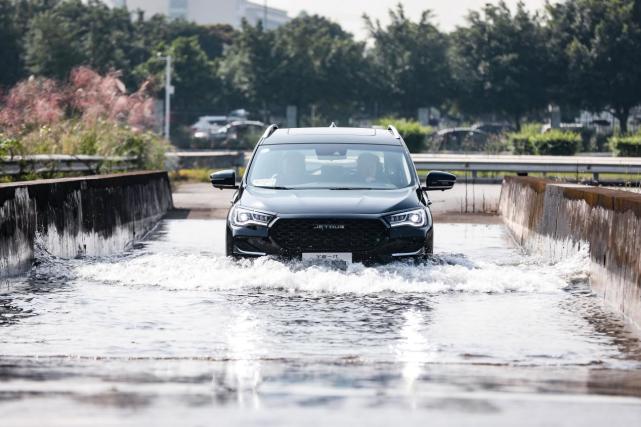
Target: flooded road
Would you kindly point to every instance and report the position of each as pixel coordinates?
(174, 333)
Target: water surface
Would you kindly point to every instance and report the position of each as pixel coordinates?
(174, 331)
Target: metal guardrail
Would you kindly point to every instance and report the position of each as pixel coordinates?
(49, 163)
(205, 159)
(473, 163)
(529, 164)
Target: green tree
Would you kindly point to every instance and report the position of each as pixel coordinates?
(73, 33)
(10, 46)
(410, 59)
(601, 41)
(249, 66)
(320, 64)
(500, 62)
(52, 46)
(310, 62)
(105, 34)
(211, 38)
(194, 76)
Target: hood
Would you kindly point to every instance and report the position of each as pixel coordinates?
(329, 202)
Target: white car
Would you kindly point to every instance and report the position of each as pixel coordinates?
(207, 125)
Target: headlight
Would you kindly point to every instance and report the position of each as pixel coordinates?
(242, 216)
(414, 218)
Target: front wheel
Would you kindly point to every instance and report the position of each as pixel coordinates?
(229, 244)
(429, 244)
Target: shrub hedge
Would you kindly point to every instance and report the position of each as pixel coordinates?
(414, 134)
(552, 143)
(626, 146)
(557, 143)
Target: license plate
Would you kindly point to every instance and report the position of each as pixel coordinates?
(328, 257)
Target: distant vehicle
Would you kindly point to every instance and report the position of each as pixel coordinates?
(239, 134)
(493, 128)
(240, 114)
(331, 194)
(206, 125)
(460, 139)
(570, 127)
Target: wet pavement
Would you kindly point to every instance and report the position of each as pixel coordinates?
(173, 333)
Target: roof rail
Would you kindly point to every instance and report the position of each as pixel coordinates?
(269, 131)
(394, 131)
(333, 125)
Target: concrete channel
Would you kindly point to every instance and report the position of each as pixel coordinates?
(167, 331)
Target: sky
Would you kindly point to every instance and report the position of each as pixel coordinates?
(348, 13)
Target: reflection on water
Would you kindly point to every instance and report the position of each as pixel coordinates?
(242, 374)
(174, 324)
(413, 352)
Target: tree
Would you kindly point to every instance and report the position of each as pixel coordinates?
(73, 33)
(10, 46)
(319, 64)
(410, 59)
(500, 62)
(194, 76)
(248, 67)
(211, 38)
(309, 61)
(601, 41)
(52, 47)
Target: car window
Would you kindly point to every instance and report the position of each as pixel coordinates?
(346, 166)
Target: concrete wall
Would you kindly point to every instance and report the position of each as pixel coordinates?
(72, 217)
(557, 220)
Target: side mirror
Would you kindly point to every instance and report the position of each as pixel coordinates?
(438, 180)
(223, 179)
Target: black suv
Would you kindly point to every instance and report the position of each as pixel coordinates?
(333, 194)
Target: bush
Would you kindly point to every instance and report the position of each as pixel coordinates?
(557, 143)
(102, 138)
(414, 134)
(522, 144)
(626, 146)
(9, 147)
(552, 143)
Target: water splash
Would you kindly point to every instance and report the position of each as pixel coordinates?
(446, 273)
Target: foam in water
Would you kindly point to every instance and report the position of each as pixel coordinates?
(447, 273)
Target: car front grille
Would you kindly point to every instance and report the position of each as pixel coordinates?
(328, 235)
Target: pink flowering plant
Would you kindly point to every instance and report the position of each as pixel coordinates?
(90, 114)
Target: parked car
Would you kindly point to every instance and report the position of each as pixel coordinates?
(238, 134)
(493, 128)
(206, 125)
(331, 194)
(460, 139)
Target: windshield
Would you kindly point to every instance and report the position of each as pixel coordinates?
(330, 166)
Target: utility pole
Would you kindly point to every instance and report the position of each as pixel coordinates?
(265, 15)
(169, 91)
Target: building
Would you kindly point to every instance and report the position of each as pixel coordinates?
(207, 12)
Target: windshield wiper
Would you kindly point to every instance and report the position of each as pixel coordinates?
(353, 188)
(273, 188)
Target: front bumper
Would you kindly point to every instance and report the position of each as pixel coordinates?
(396, 243)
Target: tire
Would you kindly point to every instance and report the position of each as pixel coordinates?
(229, 244)
(429, 245)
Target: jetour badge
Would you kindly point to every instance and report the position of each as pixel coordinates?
(326, 227)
